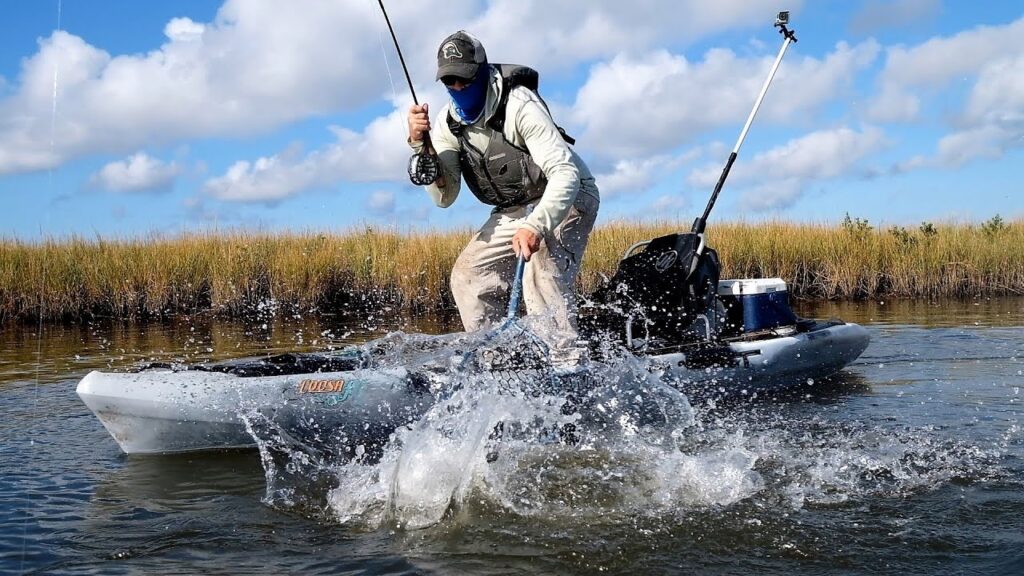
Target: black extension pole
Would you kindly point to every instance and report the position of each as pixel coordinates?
(399, 49)
(781, 21)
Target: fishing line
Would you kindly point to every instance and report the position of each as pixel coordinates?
(387, 65)
(424, 167)
(56, 76)
(42, 299)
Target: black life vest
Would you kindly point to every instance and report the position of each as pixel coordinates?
(502, 174)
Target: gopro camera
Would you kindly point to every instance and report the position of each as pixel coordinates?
(782, 19)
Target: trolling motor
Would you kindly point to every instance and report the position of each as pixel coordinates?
(424, 167)
(668, 286)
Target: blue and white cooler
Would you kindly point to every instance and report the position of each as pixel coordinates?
(754, 305)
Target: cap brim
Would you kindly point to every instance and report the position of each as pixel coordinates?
(460, 69)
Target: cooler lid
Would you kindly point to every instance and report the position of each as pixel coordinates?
(744, 286)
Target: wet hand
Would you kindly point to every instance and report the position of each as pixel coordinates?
(525, 243)
(419, 122)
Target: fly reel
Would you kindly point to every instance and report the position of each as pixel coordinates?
(424, 168)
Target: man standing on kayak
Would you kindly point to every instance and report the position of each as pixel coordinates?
(498, 135)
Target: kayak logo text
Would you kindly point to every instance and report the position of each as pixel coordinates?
(321, 386)
(329, 392)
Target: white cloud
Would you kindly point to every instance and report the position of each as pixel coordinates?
(566, 32)
(679, 101)
(261, 64)
(639, 175)
(822, 154)
(774, 195)
(381, 202)
(629, 176)
(911, 73)
(137, 173)
(998, 96)
(992, 119)
(183, 30)
(635, 106)
(267, 179)
(632, 176)
(780, 175)
(875, 15)
(938, 61)
(994, 116)
(668, 204)
(378, 154)
(894, 104)
(959, 148)
(257, 66)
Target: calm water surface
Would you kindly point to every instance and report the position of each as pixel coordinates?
(911, 462)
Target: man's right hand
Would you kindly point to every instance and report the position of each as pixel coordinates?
(419, 122)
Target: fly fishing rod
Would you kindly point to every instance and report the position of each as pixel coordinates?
(424, 167)
(781, 22)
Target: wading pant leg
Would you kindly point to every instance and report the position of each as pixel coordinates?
(549, 282)
(482, 275)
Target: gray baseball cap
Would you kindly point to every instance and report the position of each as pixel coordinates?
(460, 55)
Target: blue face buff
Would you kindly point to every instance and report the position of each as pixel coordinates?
(469, 102)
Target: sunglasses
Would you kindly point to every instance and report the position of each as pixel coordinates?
(453, 80)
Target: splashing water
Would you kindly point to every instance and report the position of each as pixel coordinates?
(611, 448)
(588, 442)
(605, 445)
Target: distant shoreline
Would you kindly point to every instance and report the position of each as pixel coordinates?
(236, 273)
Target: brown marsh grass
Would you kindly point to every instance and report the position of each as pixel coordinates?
(237, 272)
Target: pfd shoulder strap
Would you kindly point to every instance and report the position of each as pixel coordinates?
(518, 75)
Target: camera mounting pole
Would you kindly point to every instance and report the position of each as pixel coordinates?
(781, 22)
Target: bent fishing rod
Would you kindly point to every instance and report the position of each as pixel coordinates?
(424, 167)
(781, 22)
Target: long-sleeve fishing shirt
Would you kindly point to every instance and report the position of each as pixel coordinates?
(529, 126)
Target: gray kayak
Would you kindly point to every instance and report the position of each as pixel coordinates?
(350, 403)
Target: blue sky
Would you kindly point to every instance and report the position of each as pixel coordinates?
(121, 118)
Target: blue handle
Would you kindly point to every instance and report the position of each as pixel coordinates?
(517, 289)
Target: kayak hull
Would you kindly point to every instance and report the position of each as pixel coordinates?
(771, 364)
(163, 411)
(166, 412)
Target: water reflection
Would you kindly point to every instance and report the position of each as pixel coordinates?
(912, 458)
(1007, 311)
(51, 352)
(171, 481)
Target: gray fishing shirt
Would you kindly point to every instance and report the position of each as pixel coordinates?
(529, 126)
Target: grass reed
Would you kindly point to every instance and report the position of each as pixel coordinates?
(236, 273)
